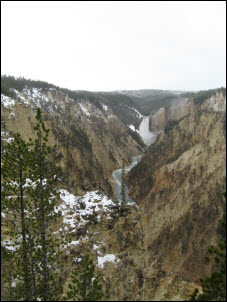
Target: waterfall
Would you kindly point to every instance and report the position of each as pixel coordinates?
(147, 136)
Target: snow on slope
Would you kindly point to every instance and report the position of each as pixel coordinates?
(84, 110)
(7, 101)
(77, 210)
(132, 127)
(106, 258)
(137, 112)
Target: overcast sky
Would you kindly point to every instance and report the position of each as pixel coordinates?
(116, 45)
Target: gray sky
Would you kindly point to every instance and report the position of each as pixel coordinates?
(116, 45)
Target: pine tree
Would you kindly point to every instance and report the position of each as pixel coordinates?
(43, 174)
(14, 172)
(214, 286)
(123, 195)
(29, 196)
(85, 284)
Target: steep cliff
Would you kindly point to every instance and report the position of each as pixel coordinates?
(185, 104)
(175, 111)
(178, 185)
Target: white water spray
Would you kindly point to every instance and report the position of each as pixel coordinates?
(147, 136)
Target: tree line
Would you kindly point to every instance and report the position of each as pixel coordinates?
(201, 96)
(9, 82)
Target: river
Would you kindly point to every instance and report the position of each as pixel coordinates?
(117, 181)
(148, 138)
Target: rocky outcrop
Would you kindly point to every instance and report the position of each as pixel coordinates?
(176, 111)
(185, 106)
(158, 120)
(128, 115)
(215, 103)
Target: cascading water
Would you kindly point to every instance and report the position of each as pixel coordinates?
(148, 138)
(145, 133)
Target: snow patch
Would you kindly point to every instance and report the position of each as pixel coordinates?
(36, 96)
(77, 210)
(7, 101)
(9, 245)
(85, 111)
(8, 140)
(138, 113)
(4, 133)
(74, 242)
(132, 127)
(28, 183)
(106, 258)
(21, 98)
(105, 107)
(95, 247)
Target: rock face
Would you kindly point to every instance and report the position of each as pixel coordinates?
(136, 275)
(91, 140)
(159, 119)
(215, 103)
(185, 106)
(128, 115)
(178, 185)
(176, 111)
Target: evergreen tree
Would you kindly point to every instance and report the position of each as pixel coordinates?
(29, 196)
(214, 286)
(85, 284)
(123, 195)
(13, 200)
(43, 174)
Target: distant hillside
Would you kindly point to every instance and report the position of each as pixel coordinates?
(145, 100)
(148, 92)
(200, 96)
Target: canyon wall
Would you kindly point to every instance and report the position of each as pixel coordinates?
(178, 185)
(176, 111)
(91, 140)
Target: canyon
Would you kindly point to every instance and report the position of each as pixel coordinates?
(151, 248)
